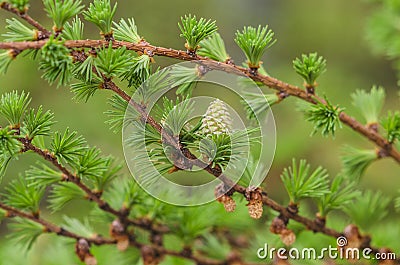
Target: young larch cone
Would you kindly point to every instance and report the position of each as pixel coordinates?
(255, 205)
(288, 237)
(228, 202)
(224, 198)
(217, 119)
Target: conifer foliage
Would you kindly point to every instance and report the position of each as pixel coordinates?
(126, 225)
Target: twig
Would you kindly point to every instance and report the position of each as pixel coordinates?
(121, 214)
(52, 228)
(268, 81)
(8, 7)
(271, 82)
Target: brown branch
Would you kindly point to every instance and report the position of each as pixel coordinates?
(52, 228)
(92, 196)
(271, 82)
(8, 7)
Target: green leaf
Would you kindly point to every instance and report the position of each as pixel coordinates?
(21, 5)
(63, 193)
(74, 30)
(112, 171)
(215, 248)
(370, 203)
(310, 67)
(193, 222)
(43, 175)
(68, 147)
(355, 161)
(81, 228)
(84, 70)
(101, 14)
(300, 184)
(185, 78)
(194, 31)
(257, 103)
(341, 193)
(91, 165)
(325, 117)
(9, 143)
(112, 62)
(158, 81)
(139, 71)
(126, 31)
(56, 62)
(397, 203)
(214, 48)
(23, 195)
(369, 104)
(117, 113)
(5, 60)
(254, 42)
(9, 148)
(85, 90)
(38, 123)
(19, 32)
(123, 193)
(391, 124)
(62, 10)
(13, 106)
(176, 115)
(25, 232)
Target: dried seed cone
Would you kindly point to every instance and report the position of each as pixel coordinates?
(288, 237)
(255, 205)
(255, 209)
(117, 232)
(228, 202)
(217, 119)
(222, 196)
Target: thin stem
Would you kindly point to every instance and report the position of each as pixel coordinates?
(52, 228)
(121, 214)
(271, 82)
(8, 7)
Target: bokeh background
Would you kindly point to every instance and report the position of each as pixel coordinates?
(334, 29)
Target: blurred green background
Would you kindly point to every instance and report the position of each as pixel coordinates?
(334, 29)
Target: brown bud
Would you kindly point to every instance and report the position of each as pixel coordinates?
(228, 202)
(255, 209)
(386, 252)
(90, 260)
(277, 225)
(225, 198)
(288, 237)
(353, 236)
(255, 205)
(234, 259)
(150, 256)
(82, 250)
(117, 232)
